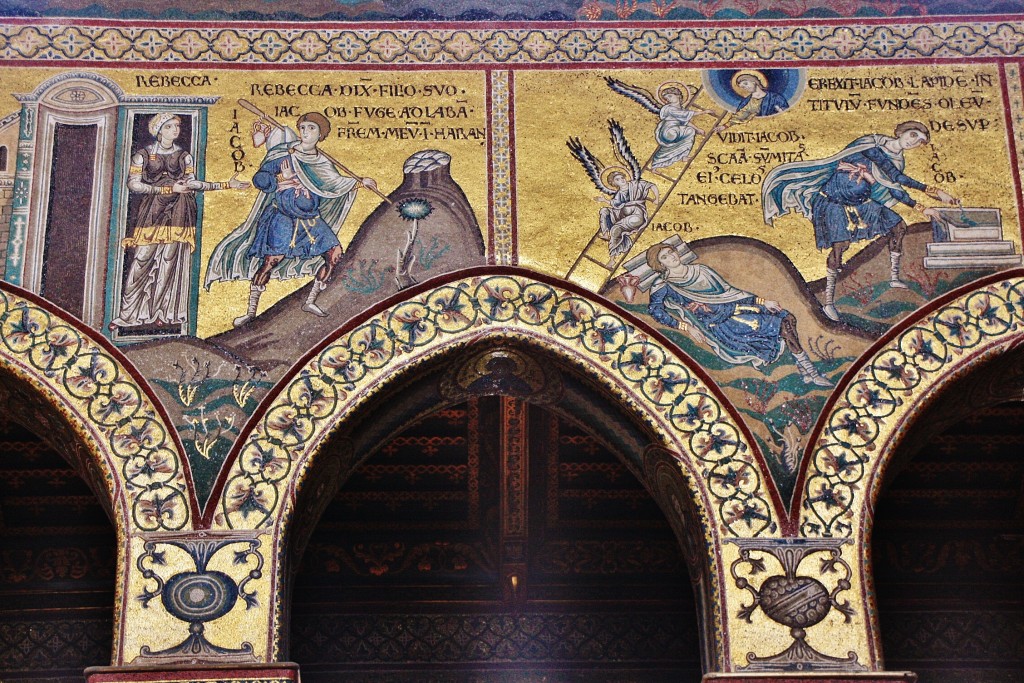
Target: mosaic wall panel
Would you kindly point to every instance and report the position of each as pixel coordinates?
(765, 239)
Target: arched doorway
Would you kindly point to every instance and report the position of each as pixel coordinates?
(948, 532)
(58, 562)
(492, 540)
(948, 551)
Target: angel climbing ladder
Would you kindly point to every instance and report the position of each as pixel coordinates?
(678, 141)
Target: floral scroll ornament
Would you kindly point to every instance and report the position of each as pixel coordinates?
(905, 368)
(352, 365)
(113, 403)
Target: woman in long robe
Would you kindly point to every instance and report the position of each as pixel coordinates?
(155, 291)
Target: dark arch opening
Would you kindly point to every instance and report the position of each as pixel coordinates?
(494, 532)
(58, 547)
(948, 537)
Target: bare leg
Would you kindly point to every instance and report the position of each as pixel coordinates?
(790, 335)
(331, 259)
(323, 275)
(262, 276)
(835, 257)
(257, 287)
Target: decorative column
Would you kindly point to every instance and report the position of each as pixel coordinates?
(22, 193)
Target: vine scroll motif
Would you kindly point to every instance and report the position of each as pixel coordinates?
(134, 439)
(907, 367)
(348, 369)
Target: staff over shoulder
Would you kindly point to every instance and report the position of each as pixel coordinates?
(292, 228)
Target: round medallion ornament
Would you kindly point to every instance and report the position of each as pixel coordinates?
(797, 601)
(200, 596)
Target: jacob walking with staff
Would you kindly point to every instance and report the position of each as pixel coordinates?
(292, 228)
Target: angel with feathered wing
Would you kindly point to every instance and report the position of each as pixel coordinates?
(675, 132)
(623, 189)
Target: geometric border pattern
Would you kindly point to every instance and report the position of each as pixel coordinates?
(857, 435)
(105, 405)
(550, 44)
(690, 418)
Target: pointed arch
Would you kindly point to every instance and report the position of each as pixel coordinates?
(645, 373)
(958, 341)
(696, 429)
(125, 447)
(869, 413)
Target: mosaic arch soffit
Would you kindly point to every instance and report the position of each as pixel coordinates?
(869, 412)
(638, 367)
(855, 437)
(109, 406)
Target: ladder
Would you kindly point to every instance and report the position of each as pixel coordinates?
(585, 255)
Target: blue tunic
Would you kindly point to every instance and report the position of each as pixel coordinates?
(846, 208)
(290, 225)
(739, 329)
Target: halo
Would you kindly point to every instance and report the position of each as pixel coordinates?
(682, 87)
(747, 72)
(606, 174)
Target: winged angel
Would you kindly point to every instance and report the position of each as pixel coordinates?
(624, 190)
(675, 132)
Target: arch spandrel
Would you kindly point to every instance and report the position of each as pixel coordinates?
(122, 443)
(866, 419)
(683, 408)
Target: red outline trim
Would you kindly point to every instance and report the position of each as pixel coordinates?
(491, 255)
(386, 25)
(1011, 137)
(513, 182)
(923, 60)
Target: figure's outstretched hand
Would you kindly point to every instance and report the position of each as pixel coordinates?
(932, 213)
(946, 198)
(236, 184)
(368, 183)
(773, 306)
(181, 187)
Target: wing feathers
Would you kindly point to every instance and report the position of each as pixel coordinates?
(635, 93)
